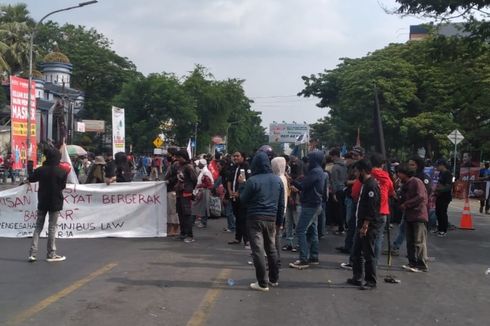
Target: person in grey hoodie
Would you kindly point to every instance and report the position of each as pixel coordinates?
(279, 169)
(338, 178)
(263, 195)
(311, 190)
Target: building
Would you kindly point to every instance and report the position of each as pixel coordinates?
(421, 32)
(57, 102)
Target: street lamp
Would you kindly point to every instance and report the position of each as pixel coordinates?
(29, 86)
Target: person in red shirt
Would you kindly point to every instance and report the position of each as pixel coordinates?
(386, 190)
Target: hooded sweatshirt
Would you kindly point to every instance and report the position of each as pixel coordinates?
(205, 172)
(263, 193)
(279, 169)
(313, 184)
(385, 188)
(338, 176)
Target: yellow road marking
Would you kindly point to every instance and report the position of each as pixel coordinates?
(201, 314)
(26, 314)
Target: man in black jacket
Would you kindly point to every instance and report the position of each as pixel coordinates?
(52, 181)
(368, 221)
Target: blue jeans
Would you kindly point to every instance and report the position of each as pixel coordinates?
(400, 238)
(378, 245)
(322, 218)
(292, 214)
(352, 223)
(307, 233)
(230, 218)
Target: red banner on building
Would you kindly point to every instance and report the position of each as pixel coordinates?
(18, 107)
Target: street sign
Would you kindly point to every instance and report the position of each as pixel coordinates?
(455, 137)
(158, 142)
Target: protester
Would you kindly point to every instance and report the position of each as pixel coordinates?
(96, 173)
(227, 176)
(171, 178)
(485, 197)
(386, 191)
(414, 202)
(293, 209)
(186, 182)
(202, 194)
(263, 195)
(368, 222)
(241, 167)
(279, 169)
(52, 181)
(117, 170)
(311, 192)
(338, 179)
(443, 196)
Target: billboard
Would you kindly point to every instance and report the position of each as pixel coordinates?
(288, 132)
(94, 125)
(18, 107)
(118, 131)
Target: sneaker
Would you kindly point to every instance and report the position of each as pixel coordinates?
(201, 226)
(55, 258)
(274, 284)
(441, 234)
(189, 240)
(434, 231)
(339, 232)
(347, 266)
(31, 259)
(294, 249)
(256, 286)
(411, 268)
(228, 230)
(287, 248)
(247, 247)
(352, 281)
(368, 286)
(299, 265)
(314, 261)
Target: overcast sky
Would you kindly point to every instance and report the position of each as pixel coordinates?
(269, 43)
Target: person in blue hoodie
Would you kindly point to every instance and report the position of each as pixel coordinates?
(263, 195)
(311, 188)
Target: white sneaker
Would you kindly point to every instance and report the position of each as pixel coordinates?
(247, 247)
(411, 269)
(347, 266)
(256, 286)
(31, 259)
(274, 285)
(189, 240)
(55, 258)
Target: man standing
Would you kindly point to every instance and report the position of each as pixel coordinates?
(240, 168)
(186, 182)
(443, 196)
(52, 181)
(311, 194)
(263, 195)
(338, 177)
(368, 221)
(413, 202)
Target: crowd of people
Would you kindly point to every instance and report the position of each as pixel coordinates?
(284, 203)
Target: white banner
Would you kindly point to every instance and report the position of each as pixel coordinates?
(118, 131)
(288, 132)
(126, 210)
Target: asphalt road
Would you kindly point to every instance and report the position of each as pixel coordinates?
(167, 282)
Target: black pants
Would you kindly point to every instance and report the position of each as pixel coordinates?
(417, 244)
(441, 213)
(185, 217)
(262, 240)
(241, 222)
(363, 256)
(339, 209)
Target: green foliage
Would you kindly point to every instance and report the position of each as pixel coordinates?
(426, 89)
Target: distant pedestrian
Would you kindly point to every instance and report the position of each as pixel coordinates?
(338, 178)
(52, 181)
(263, 195)
(368, 222)
(186, 182)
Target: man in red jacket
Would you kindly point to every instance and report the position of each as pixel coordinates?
(386, 191)
(413, 202)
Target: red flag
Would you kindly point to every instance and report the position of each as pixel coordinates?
(213, 168)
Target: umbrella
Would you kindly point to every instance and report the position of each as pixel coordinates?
(75, 150)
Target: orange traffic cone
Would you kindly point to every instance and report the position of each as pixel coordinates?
(466, 222)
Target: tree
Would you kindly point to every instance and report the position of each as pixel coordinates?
(426, 90)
